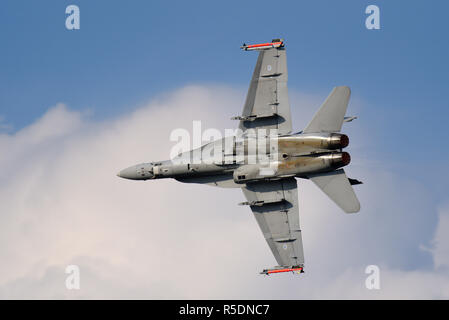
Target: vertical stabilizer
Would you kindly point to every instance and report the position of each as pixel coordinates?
(331, 114)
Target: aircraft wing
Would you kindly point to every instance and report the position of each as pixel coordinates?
(267, 105)
(275, 206)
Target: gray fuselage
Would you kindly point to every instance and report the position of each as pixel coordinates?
(245, 159)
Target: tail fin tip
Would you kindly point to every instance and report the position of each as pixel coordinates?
(330, 116)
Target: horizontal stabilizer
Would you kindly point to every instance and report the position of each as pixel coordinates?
(338, 187)
(330, 116)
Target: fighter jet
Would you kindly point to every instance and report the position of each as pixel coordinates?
(266, 157)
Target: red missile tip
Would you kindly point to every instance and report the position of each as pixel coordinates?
(284, 270)
(262, 45)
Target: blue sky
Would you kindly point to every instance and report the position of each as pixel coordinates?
(125, 54)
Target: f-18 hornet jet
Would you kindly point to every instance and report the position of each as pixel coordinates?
(265, 157)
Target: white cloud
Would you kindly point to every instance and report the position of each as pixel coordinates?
(441, 240)
(61, 203)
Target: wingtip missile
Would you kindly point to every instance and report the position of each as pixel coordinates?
(297, 270)
(275, 43)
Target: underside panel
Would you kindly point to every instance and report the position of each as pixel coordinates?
(277, 214)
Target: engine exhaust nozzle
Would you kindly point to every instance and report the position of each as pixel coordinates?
(340, 159)
(338, 141)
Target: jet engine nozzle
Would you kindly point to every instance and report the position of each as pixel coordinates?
(338, 141)
(340, 159)
(305, 143)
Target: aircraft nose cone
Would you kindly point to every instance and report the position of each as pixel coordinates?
(128, 173)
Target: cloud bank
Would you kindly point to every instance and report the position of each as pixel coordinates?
(61, 203)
